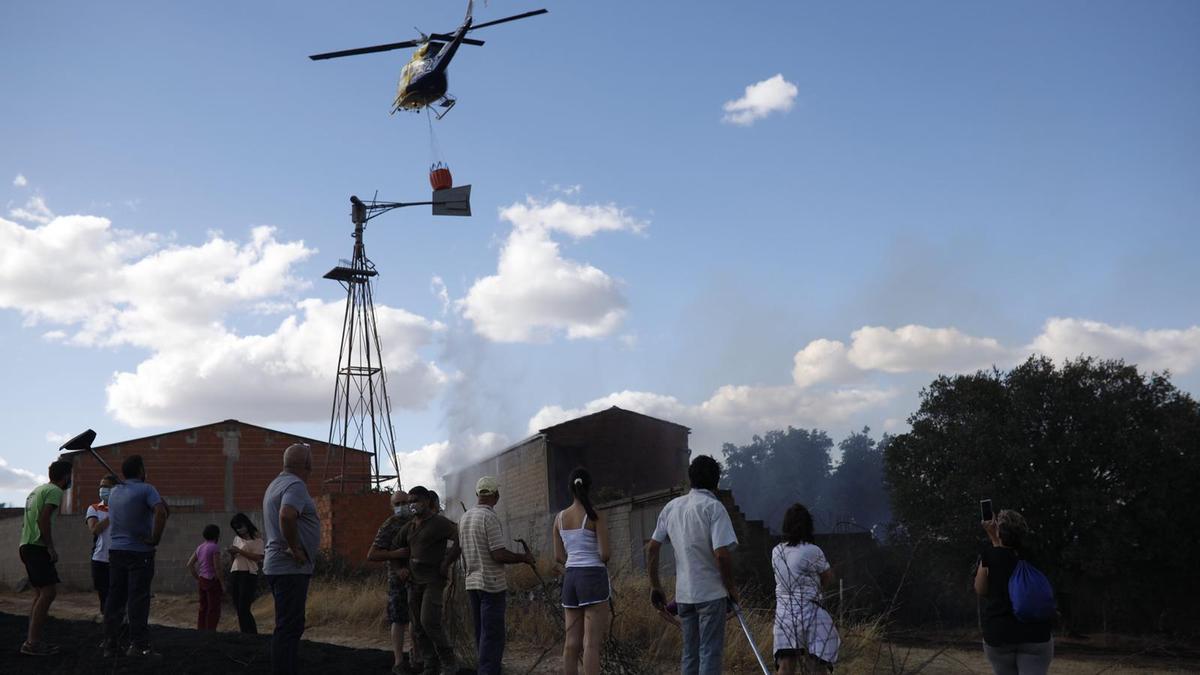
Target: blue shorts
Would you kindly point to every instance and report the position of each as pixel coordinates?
(583, 586)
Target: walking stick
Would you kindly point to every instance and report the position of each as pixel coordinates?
(750, 638)
(541, 581)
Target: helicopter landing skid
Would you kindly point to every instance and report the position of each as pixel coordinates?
(445, 104)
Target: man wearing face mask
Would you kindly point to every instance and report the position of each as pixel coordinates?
(38, 554)
(431, 543)
(385, 548)
(97, 523)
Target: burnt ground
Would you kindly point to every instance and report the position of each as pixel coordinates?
(183, 651)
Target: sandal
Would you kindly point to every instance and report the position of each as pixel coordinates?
(38, 649)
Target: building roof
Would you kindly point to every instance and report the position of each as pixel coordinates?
(212, 424)
(614, 410)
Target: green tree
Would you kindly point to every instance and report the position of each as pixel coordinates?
(857, 490)
(1101, 460)
(777, 469)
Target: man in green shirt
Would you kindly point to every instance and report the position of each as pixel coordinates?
(38, 554)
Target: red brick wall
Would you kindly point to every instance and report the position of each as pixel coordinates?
(349, 523)
(192, 464)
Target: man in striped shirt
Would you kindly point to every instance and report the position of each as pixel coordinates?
(485, 555)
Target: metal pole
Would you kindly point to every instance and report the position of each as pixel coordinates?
(750, 638)
(841, 603)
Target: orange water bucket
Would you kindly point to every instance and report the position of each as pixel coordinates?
(440, 178)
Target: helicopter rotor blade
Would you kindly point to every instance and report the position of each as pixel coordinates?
(443, 37)
(506, 19)
(366, 50)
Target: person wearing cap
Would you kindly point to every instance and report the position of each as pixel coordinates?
(485, 555)
(385, 548)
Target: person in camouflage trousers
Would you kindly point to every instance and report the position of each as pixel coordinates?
(384, 549)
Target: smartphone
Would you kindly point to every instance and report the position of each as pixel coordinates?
(985, 510)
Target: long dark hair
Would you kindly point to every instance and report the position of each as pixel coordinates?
(797, 525)
(243, 520)
(581, 485)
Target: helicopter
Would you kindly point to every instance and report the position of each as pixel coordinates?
(423, 80)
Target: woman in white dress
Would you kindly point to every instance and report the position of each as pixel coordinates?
(806, 640)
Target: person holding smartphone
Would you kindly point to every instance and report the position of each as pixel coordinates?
(1011, 646)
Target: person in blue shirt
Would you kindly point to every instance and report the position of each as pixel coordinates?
(292, 530)
(137, 514)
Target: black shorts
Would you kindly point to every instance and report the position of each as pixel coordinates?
(797, 654)
(584, 586)
(38, 567)
(397, 602)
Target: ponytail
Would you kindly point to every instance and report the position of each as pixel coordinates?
(581, 484)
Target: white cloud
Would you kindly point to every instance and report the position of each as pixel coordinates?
(14, 480)
(919, 348)
(20, 180)
(56, 438)
(733, 413)
(286, 375)
(773, 94)
(834, 384)
(439, 290)
(902, 350)
(536, 292)
(822, 361)
(34, 211)
(121, 288)
(1175, 350)
(576, 220)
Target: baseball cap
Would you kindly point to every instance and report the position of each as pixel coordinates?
(488, 485)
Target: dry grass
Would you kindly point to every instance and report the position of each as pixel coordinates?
(641, 641)
(355, 605)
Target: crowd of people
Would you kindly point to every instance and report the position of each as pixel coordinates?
(419, 546)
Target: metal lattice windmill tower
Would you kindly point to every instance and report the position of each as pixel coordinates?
(362, 412)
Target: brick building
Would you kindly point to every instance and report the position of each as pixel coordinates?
(224, 466)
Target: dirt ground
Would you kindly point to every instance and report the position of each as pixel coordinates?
(183, 651)
(75, 627)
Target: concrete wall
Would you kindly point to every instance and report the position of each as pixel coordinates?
(74, 545)
(631, 522)
(524, 496)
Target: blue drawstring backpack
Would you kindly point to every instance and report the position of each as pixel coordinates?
(1031, 595)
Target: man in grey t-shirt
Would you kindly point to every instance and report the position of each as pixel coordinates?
(293, 534)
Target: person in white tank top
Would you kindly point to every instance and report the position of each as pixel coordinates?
(581, 546)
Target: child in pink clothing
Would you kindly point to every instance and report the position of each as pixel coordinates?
(203, 565)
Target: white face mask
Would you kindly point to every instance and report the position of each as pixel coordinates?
(399, 508)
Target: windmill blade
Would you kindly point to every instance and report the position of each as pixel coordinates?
(443, 37)
(506, 19)
(366, 50)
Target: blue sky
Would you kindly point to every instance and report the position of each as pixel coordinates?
(951, 185)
